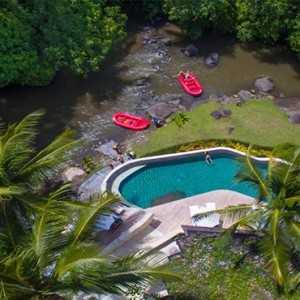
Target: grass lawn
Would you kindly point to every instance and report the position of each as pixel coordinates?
(257, 122)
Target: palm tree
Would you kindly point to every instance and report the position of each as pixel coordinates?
(275, 213)
(47, 247)
(58, 254)
(23, 170)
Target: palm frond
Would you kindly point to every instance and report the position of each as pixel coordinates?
(6, 192)
(151, 266)
(16, 144)
(277, 257)
(47, 232)
(12, 231)
(20, 272)
(288, 170)
(30, 202)
(76, 256)
(110, 274)
(87, 216)
(294, 238)
(287, 153)
(62, 193)
(15, 151)
(231, 212)
(50, 160)
(30, 122)
(251, 221)
(251, 174)
(225, 238)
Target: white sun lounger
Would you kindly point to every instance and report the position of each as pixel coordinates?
(105, 222)
(210, 221)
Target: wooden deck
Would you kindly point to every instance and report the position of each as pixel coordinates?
(168, 220)
(170, 216)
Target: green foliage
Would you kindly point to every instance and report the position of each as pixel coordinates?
(18, 59)
(275, 213)
(89, 164)
(196, 16)
(268, 20)
(214, 273)
(180, 119)
(41, 37)
(294, 37)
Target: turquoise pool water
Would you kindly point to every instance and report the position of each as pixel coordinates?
(162, 182)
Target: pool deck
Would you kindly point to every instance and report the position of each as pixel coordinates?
(164, 222)
(174, 214)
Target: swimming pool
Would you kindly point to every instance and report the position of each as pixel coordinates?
(161, 181)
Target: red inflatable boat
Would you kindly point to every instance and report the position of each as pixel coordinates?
(130, 121)
(190, 83)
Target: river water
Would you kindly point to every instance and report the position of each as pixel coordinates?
(86, 104)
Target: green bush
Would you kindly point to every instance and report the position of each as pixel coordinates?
(214, 273)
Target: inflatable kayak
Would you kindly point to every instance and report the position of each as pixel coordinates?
(130, 121)
(190, 83)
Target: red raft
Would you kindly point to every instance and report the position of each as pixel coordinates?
(190, 83)
(130, 121)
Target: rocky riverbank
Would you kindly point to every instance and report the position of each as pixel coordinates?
(151, 105)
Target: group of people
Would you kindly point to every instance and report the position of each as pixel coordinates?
(131, 155)
(119, 156)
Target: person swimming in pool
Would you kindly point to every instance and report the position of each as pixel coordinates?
(208, 158)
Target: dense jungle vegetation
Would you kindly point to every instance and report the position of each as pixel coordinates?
(40, 37)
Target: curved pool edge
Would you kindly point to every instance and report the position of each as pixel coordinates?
(110, 184)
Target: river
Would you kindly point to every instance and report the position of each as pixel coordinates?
(86, 104)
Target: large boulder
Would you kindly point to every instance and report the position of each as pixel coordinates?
(166, 41)
(160, 110)
(245, 95)
(197, 103)
(141, 82)
(225, 112)
(214, 97)
(212, 59)
(288, 105)
(191, 50)
(73, 174)
(264, 84)
(295, 118)
(216, 114)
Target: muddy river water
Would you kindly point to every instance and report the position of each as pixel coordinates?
(86, 104)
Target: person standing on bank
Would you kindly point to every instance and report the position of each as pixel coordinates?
(120, 159)
(156, 122)
(208, 158)
(117, 149)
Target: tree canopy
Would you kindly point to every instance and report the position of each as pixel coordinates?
(269, 21)
(38, 38)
